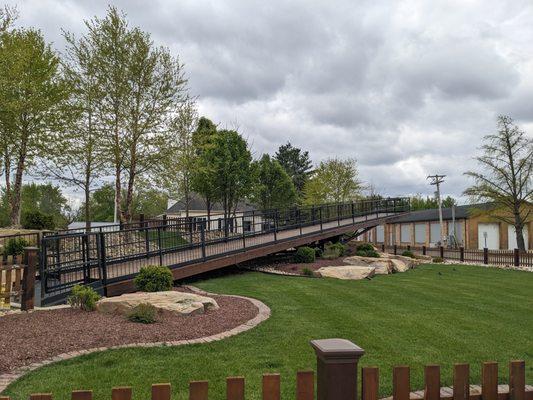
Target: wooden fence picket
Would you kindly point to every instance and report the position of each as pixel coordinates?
(517, 380)
(461, 382)
(41, 396)
(370, 383)
(121, 393)
(432, 382)
(235, 388)
(82, 395)
(161, 391)
(271, 387)
(401, 385)
(198, 390)
(489, 381)
(305, 385)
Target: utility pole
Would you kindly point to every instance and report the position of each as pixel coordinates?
(437, 180)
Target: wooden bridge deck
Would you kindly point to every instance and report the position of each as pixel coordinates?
(190, 262)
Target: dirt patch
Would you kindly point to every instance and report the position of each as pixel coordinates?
(30, 337)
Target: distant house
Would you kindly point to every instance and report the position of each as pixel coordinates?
(462, 226)
(244, 216)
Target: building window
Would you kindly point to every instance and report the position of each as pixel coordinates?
(420, 233)
(247, 226)
(405, 233)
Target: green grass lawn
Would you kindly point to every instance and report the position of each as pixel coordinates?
(434, 314)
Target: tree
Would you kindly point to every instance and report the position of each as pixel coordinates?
(79, 159)
(297, 164)
(203, 178)
(230, 161)
(420, 203)
(178, 171)
(334, 181)
(102, 203)
(142, 86)
(272, 187)
(506, 175)
(32, 100)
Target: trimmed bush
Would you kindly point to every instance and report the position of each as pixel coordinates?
(154, 279)
(318, 252)
(144, 313)
(367, 253)
(15, 246)
(83, 297)
(438, 260)
(408, 253)
(37, 220)
(305, 254)
(308, 272)
(334, 250)
(365, 247)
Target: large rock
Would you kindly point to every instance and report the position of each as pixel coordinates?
(352, 272)
(399, 265)
(180, 302)
(382, 265)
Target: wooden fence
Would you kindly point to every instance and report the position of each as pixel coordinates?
(485, 256)
(337, 370)
(17, 279)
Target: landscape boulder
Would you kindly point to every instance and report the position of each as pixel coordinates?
(351, 272)
(382, 265)
(180, 302)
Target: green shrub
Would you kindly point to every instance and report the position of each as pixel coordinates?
(83, 297)
(37, 220)
(318, 252)
(154, 279)
(15, 246)
(304, 254)
(308, 272)
(408, 253)
(438, 260)
(334, 250)
(144, 313)
(367, 253)
(365, 247)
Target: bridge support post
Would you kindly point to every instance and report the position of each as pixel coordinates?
(276, 225)
(202, 239)
(321, 226)
(243, 234)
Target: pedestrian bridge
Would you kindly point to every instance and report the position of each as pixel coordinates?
(109, 258)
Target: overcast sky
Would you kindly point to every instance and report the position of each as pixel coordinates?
(408, 88)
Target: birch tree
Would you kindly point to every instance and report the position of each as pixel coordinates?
(505, 176)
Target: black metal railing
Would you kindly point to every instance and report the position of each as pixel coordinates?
(106, 256)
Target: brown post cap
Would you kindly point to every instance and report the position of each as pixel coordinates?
(337, 350)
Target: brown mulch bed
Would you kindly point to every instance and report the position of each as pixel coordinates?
(26, 338)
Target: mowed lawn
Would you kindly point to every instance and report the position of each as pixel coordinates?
(434, 314)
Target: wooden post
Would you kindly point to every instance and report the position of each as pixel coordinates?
(489, 381)
(485, 256)
(337, 361)
(432, 380)
(161, 391)
(517, 380)
(198, 390)
(441, 251)
(305, 385)
(235, 388)
(370, 383)
(31, 257)
(516, 257)
(395, 249)
(424, 251)
(401, 384)
(461, 254)
(461, 382)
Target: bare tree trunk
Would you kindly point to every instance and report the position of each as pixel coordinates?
(519, 231)
(87, 206)
(14, 197)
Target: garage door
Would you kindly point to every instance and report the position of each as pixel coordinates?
(512, 237)
(488, 236)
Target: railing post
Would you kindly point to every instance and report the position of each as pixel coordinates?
(160, 245)
(461, 254)
(243, 233)
(424, 251)
(202, 239)
(276, 217)
(27, 301)
(516, 257)
(165, 222)
(485, 255)
(300, 221)
(102, 260)
(395, 249)
(338, 215)
(321, 226)
(353, 213)
(441, 252)
(337, 361)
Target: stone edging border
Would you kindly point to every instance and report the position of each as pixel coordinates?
(262, 315)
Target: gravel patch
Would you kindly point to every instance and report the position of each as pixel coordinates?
(28, 338)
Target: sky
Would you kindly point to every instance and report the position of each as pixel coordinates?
(408, 88)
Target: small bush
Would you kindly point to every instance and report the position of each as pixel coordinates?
(408, 253)
(304, 255)
(438, 260)
(308, 272)
(365, 247)
(37, 220)
(154, 279)
(334, 250)
(318, 252)
(144, 313)
(367, 253)
(83, 297)
(15, 246)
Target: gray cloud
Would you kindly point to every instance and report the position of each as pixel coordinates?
(406, 87)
